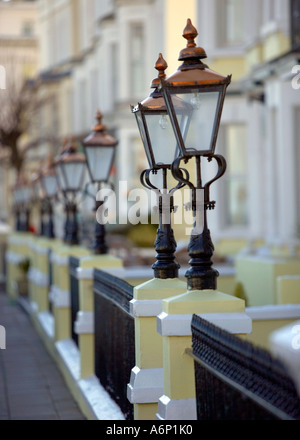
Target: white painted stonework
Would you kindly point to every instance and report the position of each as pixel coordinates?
(46, 320)
(182, 409)
(146, 385)
(84, 323)
(180, 325)
(270, 312)
(145, 307)
(285, 345)
(84, 273)
(41, 250)
(14, 258)
(60, 260)
(59, 298)
(37, 277)
(99, 402)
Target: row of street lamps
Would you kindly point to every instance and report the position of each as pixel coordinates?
(178, 122)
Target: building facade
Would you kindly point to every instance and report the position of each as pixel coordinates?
(19, 61)
(101, 54)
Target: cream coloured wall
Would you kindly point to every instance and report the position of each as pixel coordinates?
(176, 14)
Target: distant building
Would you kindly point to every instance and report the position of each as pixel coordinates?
(19, 60)
(100, 53)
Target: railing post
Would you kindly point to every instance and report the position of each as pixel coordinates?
(285, 345)
(39, 272)
(84, 324)
(60, 289)
(178, 401)
(288, 289)
(18, 250)
(146, 382)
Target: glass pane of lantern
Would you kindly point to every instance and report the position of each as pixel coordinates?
(26, 194)
(164, 145)
(99, 162)
(60, 177)
(74, 175)
(50, 183)
(196, 114)
(144, 138)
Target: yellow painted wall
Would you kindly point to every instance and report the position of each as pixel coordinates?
(235, 66)
(261, 331)
(275, 45)
(176, 14)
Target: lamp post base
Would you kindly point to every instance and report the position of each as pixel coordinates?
(201, 275)
(165, 245)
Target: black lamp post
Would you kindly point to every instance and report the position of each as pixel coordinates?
(70, 168)
(23, 198)
(17, 207)
(194, 97)
(161, 150)
(99, 148)
(39, 197)
(49, 186)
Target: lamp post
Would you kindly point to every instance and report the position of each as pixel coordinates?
(17, 207)
(70, 168)
(161, 149)
(99, 148)
(49, 186)
(194, 97)
(23, 198)
(38, 196)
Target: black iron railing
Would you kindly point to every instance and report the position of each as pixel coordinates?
(50, 277)
(74, 288)
(236, 380)
(114, 337)
(295, 24)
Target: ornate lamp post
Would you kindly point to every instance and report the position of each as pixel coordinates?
(17, 207)
(49, 186)
(23, 198)
(194, 97)
(70, 168)
(99, 148)
(39, 197)
(161, 149)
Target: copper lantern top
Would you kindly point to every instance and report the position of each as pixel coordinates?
(99, 135)
(193, 72)
(70, 154)
(155, 101)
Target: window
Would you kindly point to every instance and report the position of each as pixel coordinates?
(295, 24)
(114, 73)
(297, 161)
(231, 24)
(234, 183)
(138, 161)
(94, 81)
(270, 10)
(137, 66)
(28, 29)
(83, 108)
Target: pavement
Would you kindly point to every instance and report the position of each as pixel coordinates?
(31, 385)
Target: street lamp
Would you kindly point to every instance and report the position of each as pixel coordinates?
(49, 186)
(17, 206)
(39, 196)
(70, 166)
(161, 149)
(99, 148)
(23, 198)
(194, 97)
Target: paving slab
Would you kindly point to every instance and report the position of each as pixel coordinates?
(31, 385)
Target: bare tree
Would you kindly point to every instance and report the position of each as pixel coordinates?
(20, 105)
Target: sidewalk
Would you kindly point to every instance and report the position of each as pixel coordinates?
(31, 385)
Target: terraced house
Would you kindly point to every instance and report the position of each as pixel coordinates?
(185, 352)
